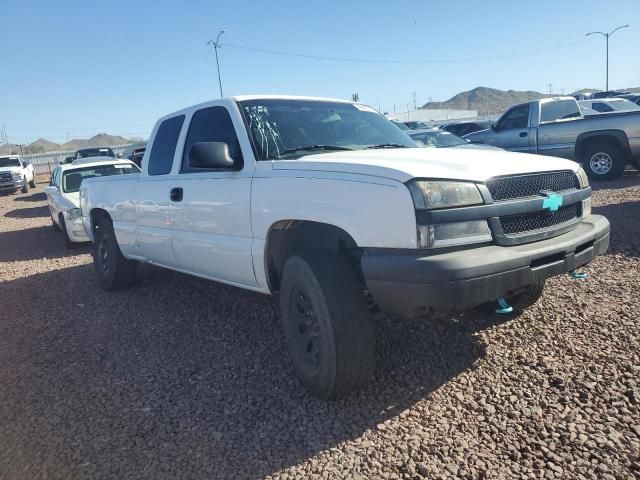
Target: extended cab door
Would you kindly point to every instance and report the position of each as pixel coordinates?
(512, 130)
(154, 204)
(211, 211)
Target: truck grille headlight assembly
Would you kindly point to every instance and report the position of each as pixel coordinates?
(582, 177)
(16, 177)
(453, 234)
(436, 195)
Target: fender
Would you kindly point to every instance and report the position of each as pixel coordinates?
(618, 135)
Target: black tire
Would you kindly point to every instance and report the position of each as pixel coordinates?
(67, 241)
(329, 331)
(113, 271)
(33, 183)
(25, 185)
(635, 163)
(604, 161)
(55, 226)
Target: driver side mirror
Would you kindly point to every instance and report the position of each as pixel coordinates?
(213, 155)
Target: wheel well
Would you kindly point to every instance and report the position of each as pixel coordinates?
(98, 214)
(612, 138)
(290, 237)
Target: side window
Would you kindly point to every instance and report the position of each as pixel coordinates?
(164, 146)
(559, 110)
(517, 117)
(211, 124)
(601, 107)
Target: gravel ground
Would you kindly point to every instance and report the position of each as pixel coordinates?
(181, 378)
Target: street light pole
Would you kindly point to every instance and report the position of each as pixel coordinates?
(216, 46)
(606, 36)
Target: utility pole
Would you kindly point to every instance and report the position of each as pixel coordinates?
(414, 101)
(550, 90)
(607, 35)
(216, 45)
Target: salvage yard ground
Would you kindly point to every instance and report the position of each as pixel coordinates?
(179, 377)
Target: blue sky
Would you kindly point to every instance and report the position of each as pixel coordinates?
(84, 67)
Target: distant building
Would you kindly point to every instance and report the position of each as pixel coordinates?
(428, 115)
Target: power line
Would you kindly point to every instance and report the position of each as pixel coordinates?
(402, 62)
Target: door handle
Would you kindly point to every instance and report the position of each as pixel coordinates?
(176, 194)
(523, 134)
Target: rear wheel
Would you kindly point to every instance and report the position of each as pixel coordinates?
(114, 272)
(604, 161)
(327, 325)
(25, 185)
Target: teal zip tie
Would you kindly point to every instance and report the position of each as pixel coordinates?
(503, 307)
(578, 275)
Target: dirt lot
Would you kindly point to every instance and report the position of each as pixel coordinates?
(181, 378)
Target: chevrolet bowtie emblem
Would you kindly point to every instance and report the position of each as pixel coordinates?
(553, 201)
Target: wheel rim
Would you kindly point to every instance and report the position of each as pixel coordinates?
(306, 328)
(103, 254)
(601, 163)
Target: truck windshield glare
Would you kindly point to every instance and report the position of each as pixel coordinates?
(9, 162)
(288, 129)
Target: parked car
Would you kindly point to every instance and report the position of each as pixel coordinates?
(63, 197)
(328, 205)
(606, 94)
(400, 125)
(603, 144)
(582, 96)
(91, 152)
(16, 174)
(632, 97)
(464, 128)
(605, 105)
(413, 125)
(434, 137)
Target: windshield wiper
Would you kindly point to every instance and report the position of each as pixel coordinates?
(387, 145)
(313, 147)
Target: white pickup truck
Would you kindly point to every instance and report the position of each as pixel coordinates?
(329, 205)
(16, 174)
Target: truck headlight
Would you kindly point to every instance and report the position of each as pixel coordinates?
(453, 234)
(16, 177)
(582, 177)
(73, 214)
(432, 195)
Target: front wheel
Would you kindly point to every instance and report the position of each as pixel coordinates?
(68, 243)
(604, 161)
(527, 297)
(33, 182)
(113, 270)
(25, 185)
(326, 321)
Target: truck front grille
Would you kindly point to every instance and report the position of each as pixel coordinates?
(534, 221)
(521, 186)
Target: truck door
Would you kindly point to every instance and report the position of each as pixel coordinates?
(211, 217)
(154, 203)
(512, 130)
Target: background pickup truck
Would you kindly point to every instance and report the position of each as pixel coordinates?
(16, 174)
(329, 205)
(603, 143)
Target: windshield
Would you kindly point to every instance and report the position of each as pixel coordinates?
(95, 152)
(9, 162)
(438, 139)
(72, 179)
(286, 129)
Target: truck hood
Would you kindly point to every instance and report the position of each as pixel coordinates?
(10, 169)
(403, 164)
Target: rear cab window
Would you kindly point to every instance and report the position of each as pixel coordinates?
(559, 110)
(164, 146)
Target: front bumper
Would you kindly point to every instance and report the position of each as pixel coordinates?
(412, 285)
(11, 186)
(75, 230)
